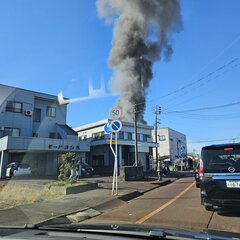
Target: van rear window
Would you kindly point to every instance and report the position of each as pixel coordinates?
(221, 156)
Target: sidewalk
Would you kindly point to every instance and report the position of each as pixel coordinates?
(99, 198)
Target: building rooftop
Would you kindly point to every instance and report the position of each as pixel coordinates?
(103, 122)
(38, 94)
(170, 129)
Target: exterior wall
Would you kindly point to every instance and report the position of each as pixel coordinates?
(48, 124)
(12, 119)
(171, 143)
(30, 100)
(100, 145)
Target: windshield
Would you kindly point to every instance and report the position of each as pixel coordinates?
(221, 156)
(105, 106)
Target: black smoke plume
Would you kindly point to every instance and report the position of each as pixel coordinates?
(142, 29)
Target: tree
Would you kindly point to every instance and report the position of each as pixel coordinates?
(66, 164)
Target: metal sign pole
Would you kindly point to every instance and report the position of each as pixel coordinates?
(115, 126)
(116, 161)
(114, 169)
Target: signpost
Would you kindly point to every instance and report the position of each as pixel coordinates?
(114, 127)
(107, 129)
(182, 149)
(115, 113)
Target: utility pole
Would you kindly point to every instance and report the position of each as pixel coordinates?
(157, 111)
(135, 133)
(135, 113)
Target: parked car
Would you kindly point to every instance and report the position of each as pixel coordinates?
(87, 170)
(219, 173)
(196, 173)
(17, 169)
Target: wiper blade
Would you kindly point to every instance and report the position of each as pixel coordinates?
(165, 234)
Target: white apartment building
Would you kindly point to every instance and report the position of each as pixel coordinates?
(33, 130)
(172, 144)
(101, 157)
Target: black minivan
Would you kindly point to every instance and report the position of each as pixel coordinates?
(219, 172)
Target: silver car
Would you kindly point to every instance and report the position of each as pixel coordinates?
(17, 169)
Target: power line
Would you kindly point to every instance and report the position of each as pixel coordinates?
(204, 108)
(211, 117)
(207, 76)
(184, 94)
(214, 75)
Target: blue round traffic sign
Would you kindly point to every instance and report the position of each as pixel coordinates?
(107, 129)
(116, 126)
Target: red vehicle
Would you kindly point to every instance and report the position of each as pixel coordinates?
(197, 178)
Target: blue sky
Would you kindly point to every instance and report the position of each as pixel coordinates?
(59, 45)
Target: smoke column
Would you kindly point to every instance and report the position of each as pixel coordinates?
(142, 29)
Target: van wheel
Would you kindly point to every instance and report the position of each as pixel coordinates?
(209, 208)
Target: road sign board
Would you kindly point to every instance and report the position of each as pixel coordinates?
(113, 141)
(115, 113)
(116, 126)
(107, 129)
(183, 149)
(183, 155)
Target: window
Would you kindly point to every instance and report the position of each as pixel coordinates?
(138, 136)
(51, 111)
(52, 135)
(94, 136)
(14, 107)
(120, 135)
(162, 137)
(15, 132)
(97, 162)
(145, 137)
(130, 136)
(37, 115)
(100, 135)
(83, 138)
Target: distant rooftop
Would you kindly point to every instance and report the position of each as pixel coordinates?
(103, 122)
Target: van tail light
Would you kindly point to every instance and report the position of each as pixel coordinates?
(201, 171)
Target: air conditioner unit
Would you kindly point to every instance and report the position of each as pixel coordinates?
(28, 113)
(2, 128)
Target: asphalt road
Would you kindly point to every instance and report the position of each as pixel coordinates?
(175, 205)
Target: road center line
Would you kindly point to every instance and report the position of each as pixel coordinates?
(145, 218)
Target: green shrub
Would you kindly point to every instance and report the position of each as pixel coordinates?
(66, 164)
